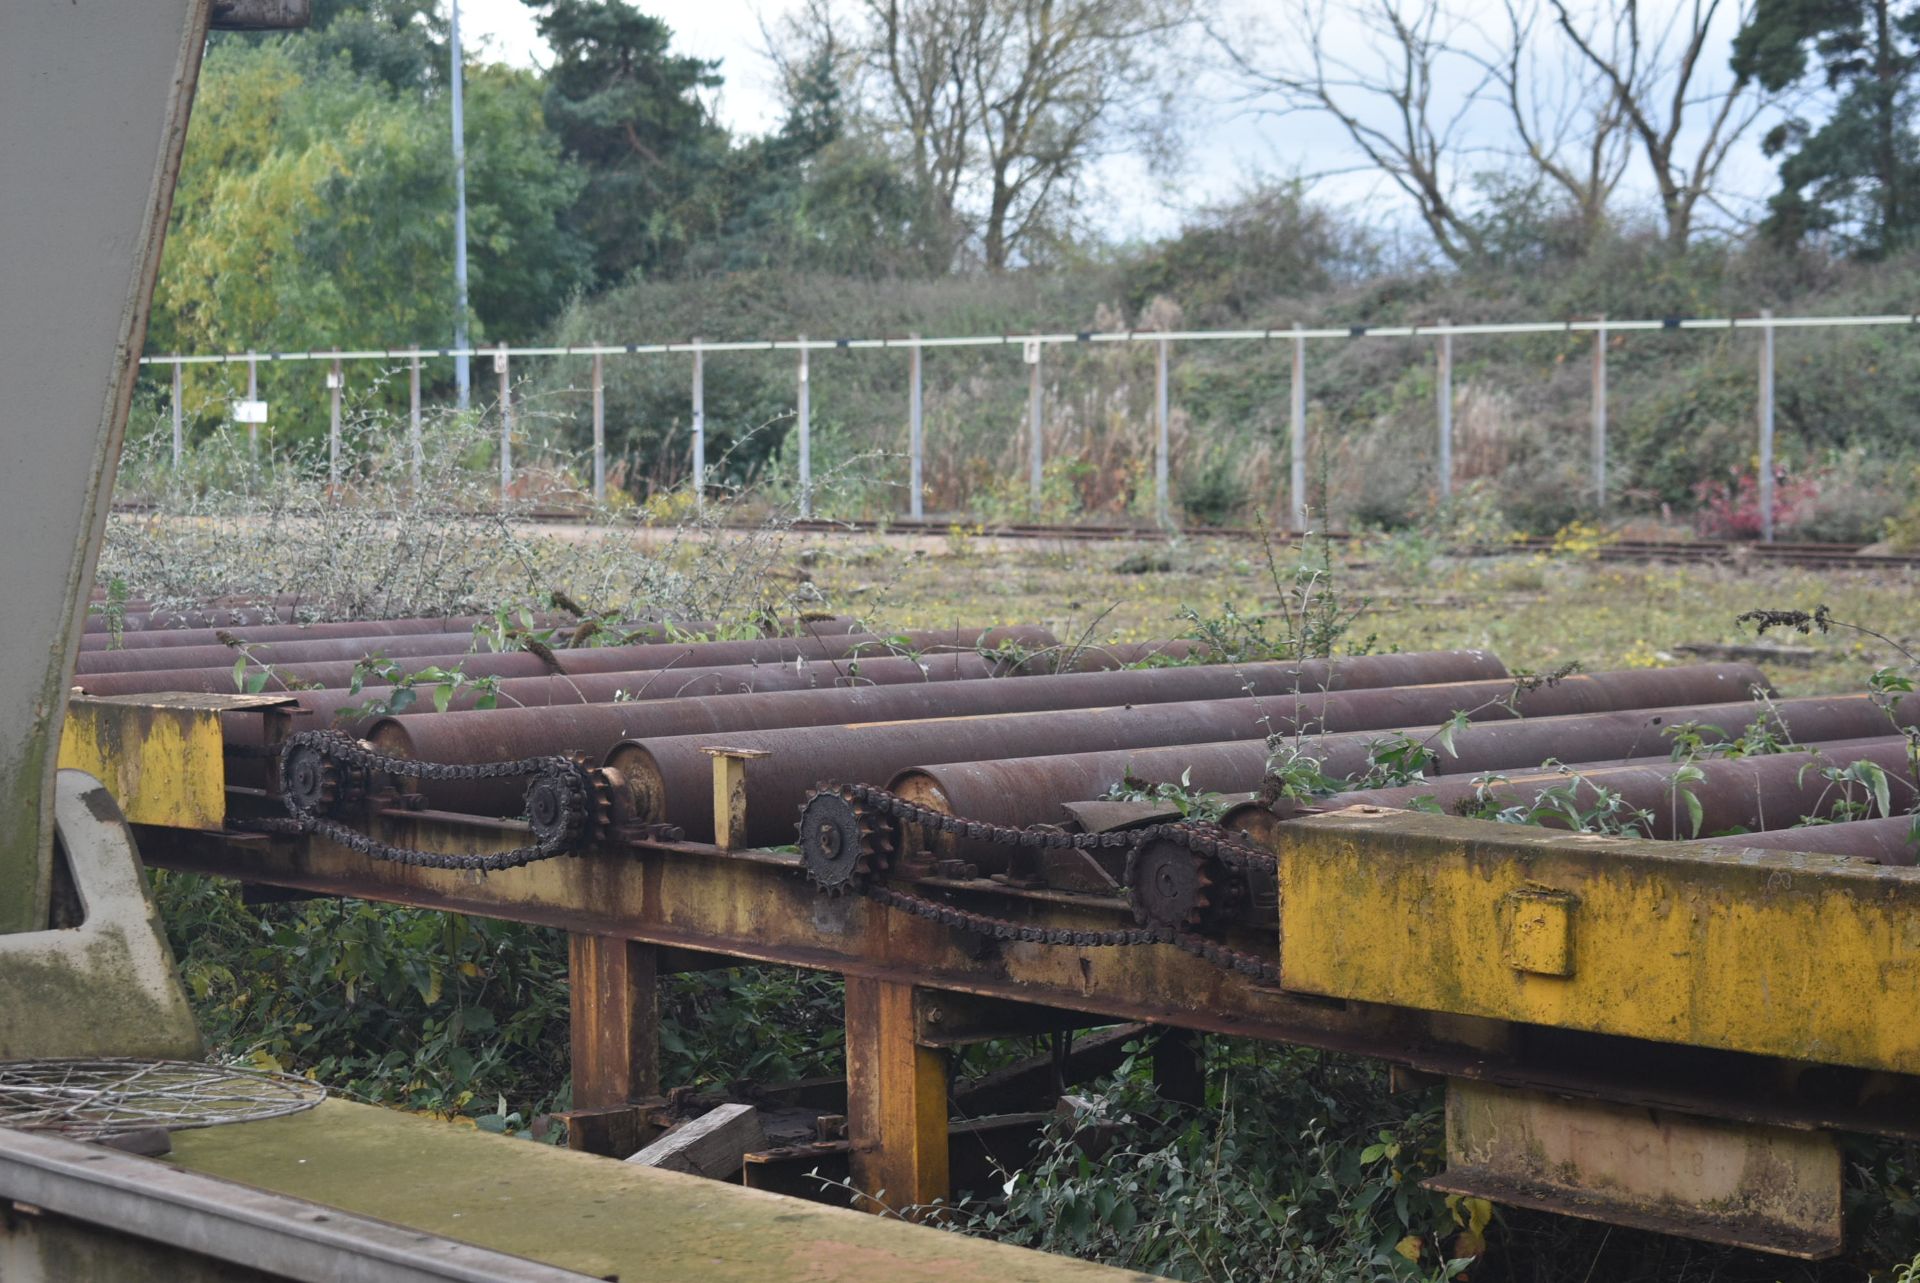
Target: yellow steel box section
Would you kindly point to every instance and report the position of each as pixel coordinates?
(1808, 957)
(159, 755)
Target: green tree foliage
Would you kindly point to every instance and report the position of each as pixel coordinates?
(1856, 176)
(315, 209)
(629, 111)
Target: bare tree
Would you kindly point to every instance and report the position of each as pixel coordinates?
(1387, 95)
(1684, 121)
(1569, 124)
(999, 107)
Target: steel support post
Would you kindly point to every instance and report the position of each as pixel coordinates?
(179, 433)
(699, 428)
(613, 998)
(806, 435)
(253, 394)
(1298, 390)
(599, 429)
(1161, 507)
(416, 450)
(896, 1099)
(500, 367)
(1766, 425)
(916, 442)
(1036, 439)
(1600, 415)
(335, 383)
(1444, 395)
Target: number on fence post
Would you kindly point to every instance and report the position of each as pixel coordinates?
(1444, 465)
(1600, 415)
(415, 449)
(179, 435)
(699, 428)
(335, 383)
(1036, 444)
(1298, 391)
(506, 421)
(1161, 506)
(806, 437)
(599, 429)
(915, 443)
(1766, 424)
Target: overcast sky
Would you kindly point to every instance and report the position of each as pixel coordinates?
(1234, 147)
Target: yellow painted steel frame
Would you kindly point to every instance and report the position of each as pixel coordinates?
(1812, 957)
(161, 756)
(1427, 940)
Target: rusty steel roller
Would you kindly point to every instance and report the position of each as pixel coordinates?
(1594, 739)
(341, 710)
(591, 659)
(213, 617)
(669, 780)
(293, 651)
(593, 731)
(1883, 841)
(1771, 791)
(1030, 790)
(351, 647)
(262, 633)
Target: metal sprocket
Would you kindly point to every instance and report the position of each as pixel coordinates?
(842, 844)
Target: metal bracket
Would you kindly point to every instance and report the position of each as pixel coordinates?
(1773, 1189)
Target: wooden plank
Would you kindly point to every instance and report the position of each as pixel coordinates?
(712, 1145)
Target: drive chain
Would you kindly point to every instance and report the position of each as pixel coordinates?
(1206, 840)
(563, 773)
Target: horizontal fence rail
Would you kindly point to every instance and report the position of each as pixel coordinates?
(1031, 346)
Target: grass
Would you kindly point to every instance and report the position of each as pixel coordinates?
(1536, 611)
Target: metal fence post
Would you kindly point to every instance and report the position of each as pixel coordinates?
(1445, 394)
(806, 436)
(916, 445)
(506, 421)
(416, 449)
(253, 394)
(1298, 389)
(1600, 415)
(699, 428)
(599, 429)
(179, 435)
(1161, 507)
(335, 382)
(1036, 447)
(1766, 424)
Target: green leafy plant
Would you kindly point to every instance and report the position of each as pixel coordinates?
(1315, 617)
(403, 686)
(1181, 795)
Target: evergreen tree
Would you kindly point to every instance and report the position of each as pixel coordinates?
(1856, 177)
(630, 112)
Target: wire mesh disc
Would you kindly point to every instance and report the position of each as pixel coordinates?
(87, 1099)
